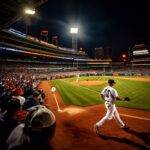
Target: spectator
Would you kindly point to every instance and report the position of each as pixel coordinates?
(4, 98)
(8, 120)
(28, 89)
(41, 96)
(32, 100)
(18, 95)
(35, 133)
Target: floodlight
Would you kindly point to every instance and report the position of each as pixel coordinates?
(29, 11)
(74, 30)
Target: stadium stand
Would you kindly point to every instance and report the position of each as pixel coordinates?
(16, 48)
(19, 51)
(140, 59)
(17, 93)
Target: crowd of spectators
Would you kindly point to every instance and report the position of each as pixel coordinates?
(24, 120)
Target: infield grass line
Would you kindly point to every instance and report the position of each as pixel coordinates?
(72, 94)
(80, 86)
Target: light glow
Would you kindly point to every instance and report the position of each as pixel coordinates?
(13, 31)
(140, 52)
(29, 11)
(123, 55)
(74, 30)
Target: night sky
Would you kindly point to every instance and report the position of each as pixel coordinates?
(118, 24)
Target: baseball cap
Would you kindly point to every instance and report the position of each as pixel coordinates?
(39, 117)
(110, 81)
(18, 91)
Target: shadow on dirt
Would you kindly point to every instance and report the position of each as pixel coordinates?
(144, 136)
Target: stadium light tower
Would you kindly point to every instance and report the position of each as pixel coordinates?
(27, 12)
(74, 32)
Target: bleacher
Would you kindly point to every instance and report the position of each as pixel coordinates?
(19, 48)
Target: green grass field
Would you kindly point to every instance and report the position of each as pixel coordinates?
(74, 94)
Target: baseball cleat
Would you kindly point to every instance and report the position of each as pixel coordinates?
(125, 127)
(96, 129)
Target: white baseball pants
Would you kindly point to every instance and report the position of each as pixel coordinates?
(111, 113)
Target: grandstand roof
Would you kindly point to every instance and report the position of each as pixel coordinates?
(11, 10)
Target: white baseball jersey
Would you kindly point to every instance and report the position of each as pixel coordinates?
(109, 94)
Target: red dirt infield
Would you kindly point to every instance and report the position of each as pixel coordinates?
(74, 130)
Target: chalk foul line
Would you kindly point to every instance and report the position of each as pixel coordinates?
(130, 116)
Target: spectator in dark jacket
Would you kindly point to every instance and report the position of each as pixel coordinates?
(32, 100)
(4, 98)
(8, 120)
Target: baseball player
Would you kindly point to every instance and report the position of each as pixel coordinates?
(110, 95)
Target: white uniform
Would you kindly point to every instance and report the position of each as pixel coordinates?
(110, 95)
